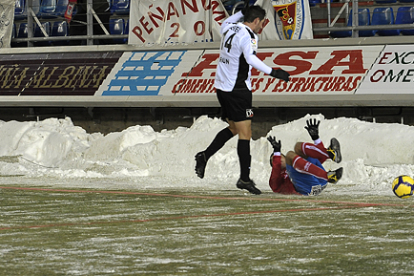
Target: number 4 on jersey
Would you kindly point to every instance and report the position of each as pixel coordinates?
(227, 43)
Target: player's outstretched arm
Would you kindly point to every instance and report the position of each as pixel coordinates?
(254, 61)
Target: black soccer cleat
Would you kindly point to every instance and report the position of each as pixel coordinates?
(201, 164)
(250, 186)
(334, 151)
(334, 176)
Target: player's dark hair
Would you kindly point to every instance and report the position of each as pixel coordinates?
(254, 12)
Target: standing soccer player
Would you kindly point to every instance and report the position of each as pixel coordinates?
(233, 88)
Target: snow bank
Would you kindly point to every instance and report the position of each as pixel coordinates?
(373, 153)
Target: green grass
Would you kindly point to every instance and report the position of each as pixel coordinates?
(52, 232)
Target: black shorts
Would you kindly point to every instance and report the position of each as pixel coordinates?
(236, 105)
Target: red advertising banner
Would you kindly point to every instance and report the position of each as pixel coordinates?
(313, 71)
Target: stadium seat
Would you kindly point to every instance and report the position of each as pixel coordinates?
(384, 16)
(117, 27)
(61, 6)
(48, 9)
(314, 2)
(60, 28)
(127, 27)
(405, 15)
(19, 8)
(364, 19)
(113, 4)
(228, 4)
(38, 33)
(14, 34)
(36, 7)
(22, 32)
(120, 6)
(385, 1)
(126, 30)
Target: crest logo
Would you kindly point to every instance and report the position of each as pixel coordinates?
(254, 44)
(249, 113)
(287, 14)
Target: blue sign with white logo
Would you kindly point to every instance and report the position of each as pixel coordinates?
(144, 73)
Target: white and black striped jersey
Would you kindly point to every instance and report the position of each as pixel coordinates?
(237, 55)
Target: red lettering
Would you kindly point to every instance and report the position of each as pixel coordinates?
(338, 84)
(298, 84)
(206, 63)
(284, 85)
(193, 8)
(355, 63)
(199, 28)
(206, 4)
(221, 13)
(200, 86)
(256, 83)
(355, 83)
(292, 83)
(204, 86)
(194, 86)
(314, 84)
(172, 11)
(301, 65)
(145, 25)
(138, 32)
(308, 85)
(268, 83)
(322, 81)
(177, 86)
(153, 16)
(346, 85)
(330, 84)
(177, 28)
(280, 86)
(384, 56)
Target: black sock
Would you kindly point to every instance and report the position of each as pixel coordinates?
(243, 150)
(221, 138)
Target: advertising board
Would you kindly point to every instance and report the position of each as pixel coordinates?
(391, 73)
(322, 70)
